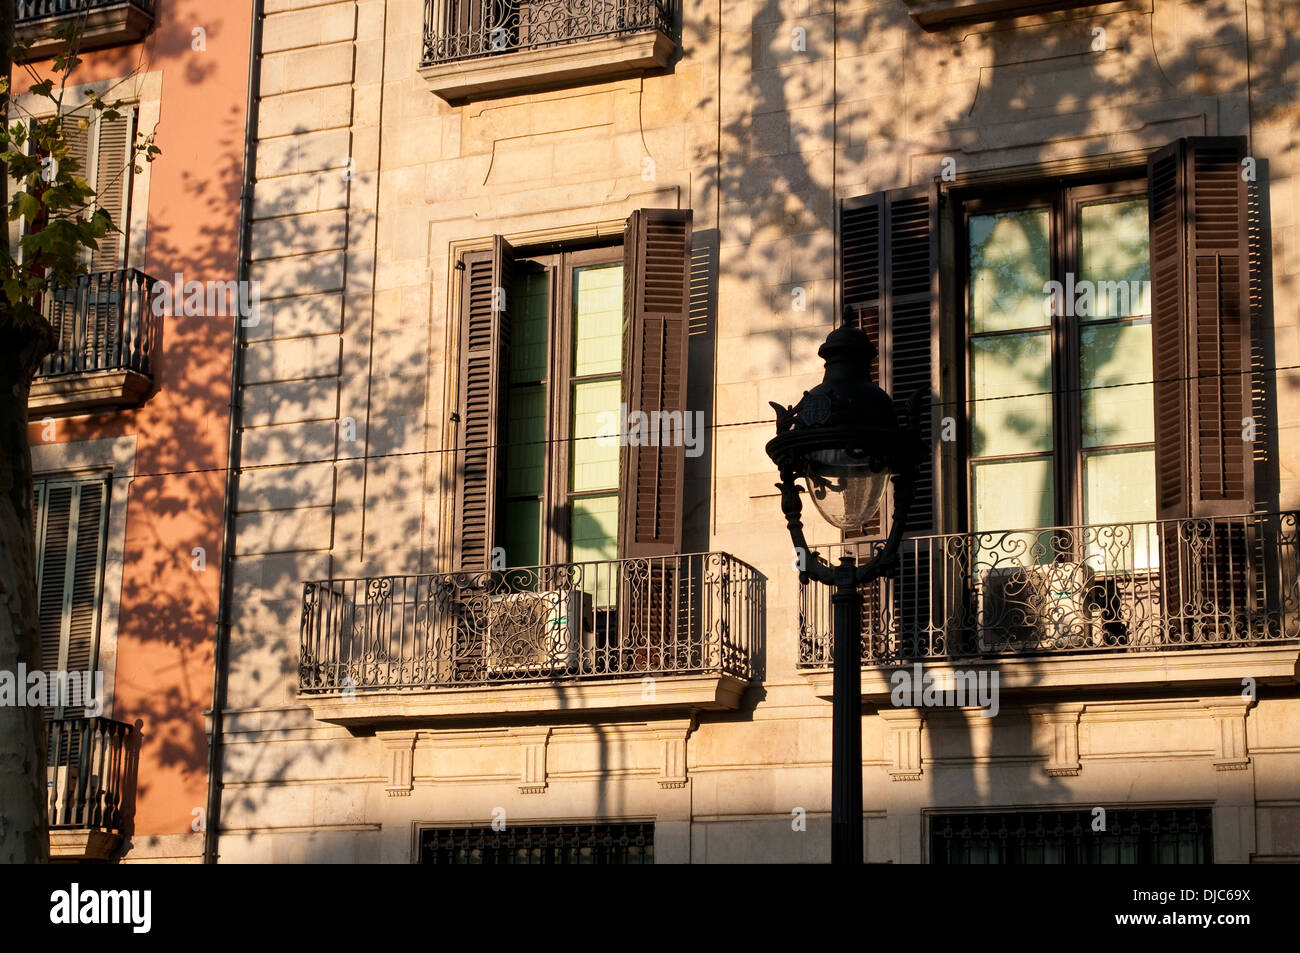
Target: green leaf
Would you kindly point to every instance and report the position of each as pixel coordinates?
(25, 205)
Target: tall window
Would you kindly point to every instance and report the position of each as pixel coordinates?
(564, 384)
(70, 524)
(559, 350)
(1058, 322)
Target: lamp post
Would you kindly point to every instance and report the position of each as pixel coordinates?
(844, 441)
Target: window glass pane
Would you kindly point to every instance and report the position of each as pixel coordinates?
(1111, 354)
(598, 320)
(526, 434)
(1009, 266)
(594, 533)
(523, 533)
(595, 415)
(1009, 495)
(528, 329)
(1114, 257)
(1005, 365)
(1012, 494)
(1119, 486)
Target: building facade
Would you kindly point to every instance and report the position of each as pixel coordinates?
(129, 418)
(510, 581)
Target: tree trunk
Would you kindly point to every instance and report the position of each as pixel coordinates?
(24, 824)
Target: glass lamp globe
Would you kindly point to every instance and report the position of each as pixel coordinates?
(843, 487)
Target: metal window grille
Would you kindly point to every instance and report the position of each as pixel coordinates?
(552, 844)
(1172, 836)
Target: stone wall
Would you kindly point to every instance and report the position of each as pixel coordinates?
(368, 186)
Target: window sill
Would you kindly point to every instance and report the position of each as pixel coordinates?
(572, 64)
(1146, 669)
(78, 392)
(670, 693)
(112, 26)
(934, 15)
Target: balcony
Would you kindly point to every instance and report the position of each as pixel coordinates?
(105, 23)
(1195, 601)
(90, 775)
(651, 634)
(475, 49)
(104, 332)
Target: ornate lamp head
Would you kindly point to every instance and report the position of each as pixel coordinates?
(843, 436)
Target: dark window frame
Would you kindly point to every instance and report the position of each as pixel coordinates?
(1063, 198)
(559, 264)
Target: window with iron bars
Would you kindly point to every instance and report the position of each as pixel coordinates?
(550, 844)
(1097, 836)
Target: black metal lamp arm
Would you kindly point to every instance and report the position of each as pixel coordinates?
(814, 566)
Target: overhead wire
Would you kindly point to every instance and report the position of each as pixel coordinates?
(963, 402)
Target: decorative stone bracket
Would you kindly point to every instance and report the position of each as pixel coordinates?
(399, 752)
(903, 742)
(1063, 722)
(672, 772)
(532, 777)
(1230, 749)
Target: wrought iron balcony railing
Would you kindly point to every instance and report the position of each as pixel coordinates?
(104, 323)
(90, 773)
(621, 618)
(467, 29)
(1163, 585)
(26, 11)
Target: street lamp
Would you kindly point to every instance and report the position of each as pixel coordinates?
(844, 441)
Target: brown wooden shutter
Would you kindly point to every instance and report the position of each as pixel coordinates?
(656, 257)
(113, 175)
(888, 247)
(1169, 330)
(862, 272)
(1200, 285)
(485, 332)
(1201, 327)
(78, 142)
(70, 526)
(888, 252)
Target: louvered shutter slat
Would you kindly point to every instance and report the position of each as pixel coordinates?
(1201, 327)
(1200, 276)
(113, 187)
(1169, 332)
(53, 559)
(71, 519)
(910, 285)
(862, 273)
(484, 344)
(83, 592)
(657, 250)
(887, 243)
